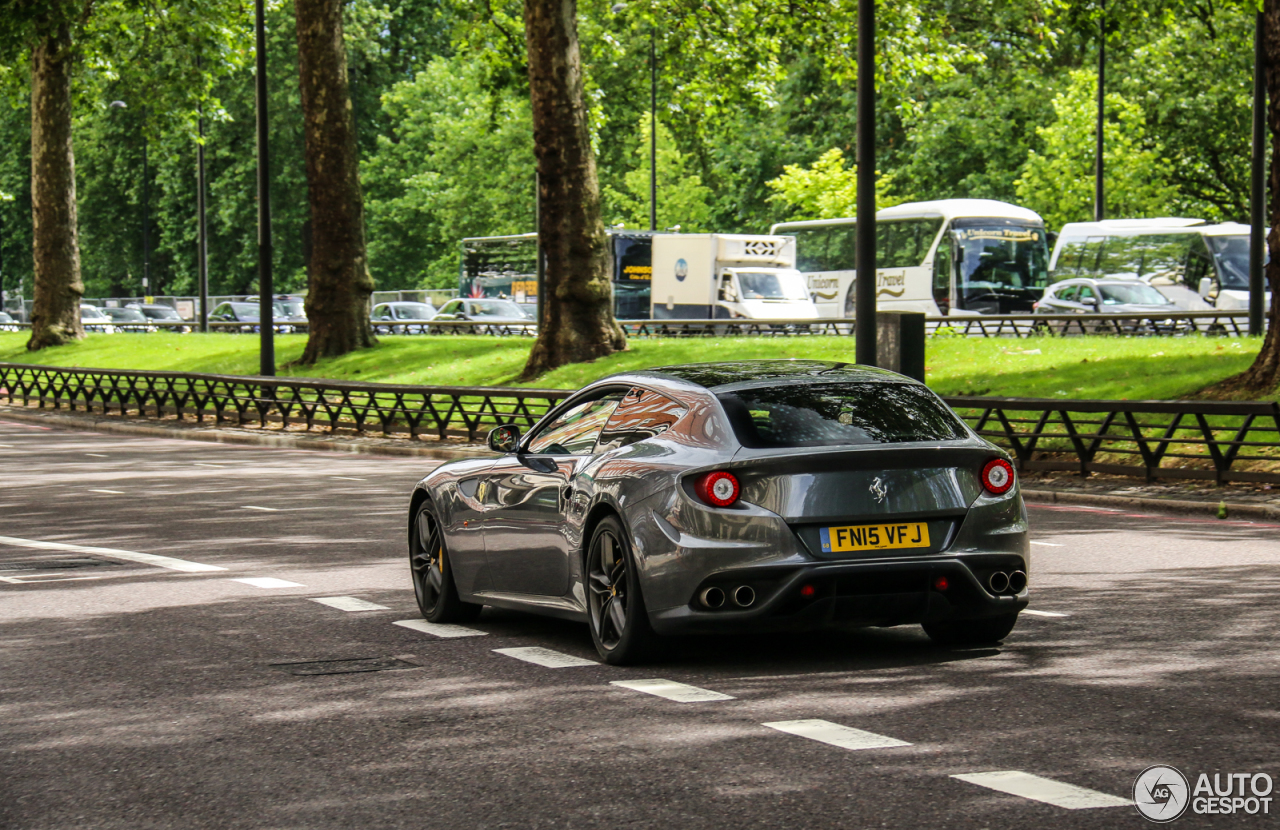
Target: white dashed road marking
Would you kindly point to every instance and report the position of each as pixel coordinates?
(827, 732)
(205, 464)
(671, 690)
(1048, 544)
(351, 478)
(96, 455)
(349, 604)
(1026, 785)
(268, 582)
(1035, 613)
(439, 629)
(545, 657)
(111, 553)
(268, 509)
(109, 492)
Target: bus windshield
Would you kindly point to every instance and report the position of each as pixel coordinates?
(1231, 255)
(1003, 265)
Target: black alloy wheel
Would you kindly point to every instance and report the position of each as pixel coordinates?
(971, 632)
(432, 577)
(619, 622)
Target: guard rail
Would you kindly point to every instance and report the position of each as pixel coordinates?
(1219, 441)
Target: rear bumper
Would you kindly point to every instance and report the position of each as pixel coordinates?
(856, 594)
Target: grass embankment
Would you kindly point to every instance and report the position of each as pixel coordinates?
(1076, 367)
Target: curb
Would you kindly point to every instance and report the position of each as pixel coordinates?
(286, 442)
(1235, 510)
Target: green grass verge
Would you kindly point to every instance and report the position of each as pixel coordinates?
(1076, 367)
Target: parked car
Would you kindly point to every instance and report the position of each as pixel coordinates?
(755, 495)
(247, 313)
(401, 312)
(168, 316)
(93, 319)
(7, 323)
(287, 311)
(129, 319)
(493, 312)
(1108, 296)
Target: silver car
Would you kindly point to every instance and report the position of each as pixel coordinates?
(724, 497)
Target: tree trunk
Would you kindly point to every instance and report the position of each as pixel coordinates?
(55, 316)
(1264, 375)
(338, 271)
(577, 314)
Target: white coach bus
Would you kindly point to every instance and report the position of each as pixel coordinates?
(952, 256)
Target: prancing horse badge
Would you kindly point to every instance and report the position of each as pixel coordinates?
(878, 490)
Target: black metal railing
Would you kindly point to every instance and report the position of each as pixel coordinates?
(1220, 441)
(1216, 440)
(1230, 323)
(296, 403)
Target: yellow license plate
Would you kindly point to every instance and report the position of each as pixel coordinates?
(875, 537)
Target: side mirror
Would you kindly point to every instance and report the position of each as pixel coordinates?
(505, 438)
(1206, 286)
(1089, 300)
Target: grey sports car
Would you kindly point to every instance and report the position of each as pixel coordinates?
(719, 497)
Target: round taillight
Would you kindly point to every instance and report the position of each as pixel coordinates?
(997, 476)
(941, 584)
(718, 489)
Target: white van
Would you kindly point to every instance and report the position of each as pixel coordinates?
(1195, 264)
(951, 256)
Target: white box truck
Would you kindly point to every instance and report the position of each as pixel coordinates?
(719, 276)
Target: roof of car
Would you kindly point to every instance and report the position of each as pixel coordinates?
(747, 373)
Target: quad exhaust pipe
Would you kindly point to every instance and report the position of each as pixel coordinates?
(1017, 581)
(712, 597)
(744, 596)
(1012, 583)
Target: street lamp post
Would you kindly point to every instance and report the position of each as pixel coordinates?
(1099, 212)
(1258, 200)
(864, 322)
(266, 291)
(653, 121)
(202, 230)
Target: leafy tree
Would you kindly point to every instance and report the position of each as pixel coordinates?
(1058, 182)
(577, 321)
(338, 281)
(682, 198)
(828, 189)
(459, 164)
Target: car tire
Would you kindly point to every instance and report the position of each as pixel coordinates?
(433, 584)
(971, 632)
(615, 607)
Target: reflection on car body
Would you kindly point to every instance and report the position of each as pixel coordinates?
(705, 498)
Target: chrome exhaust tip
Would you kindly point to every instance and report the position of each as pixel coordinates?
(998, 582)
(1017, 581)
(712, 597)
(744, 596)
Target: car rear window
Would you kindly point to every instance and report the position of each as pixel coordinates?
(838, 414)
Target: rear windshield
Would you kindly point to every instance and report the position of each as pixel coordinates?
(837, 414)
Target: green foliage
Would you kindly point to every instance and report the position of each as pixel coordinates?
(1146, 368)
(827, 190)
(460, 164)
(1058, 182)
(682, 198)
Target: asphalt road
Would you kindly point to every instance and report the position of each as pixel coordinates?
(138, 692)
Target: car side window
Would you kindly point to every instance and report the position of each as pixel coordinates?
(451, 308)
(1086, 293)
(1069, 293)
(575, 430)
(641, 414)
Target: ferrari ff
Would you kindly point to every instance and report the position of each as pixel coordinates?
(729, 497)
